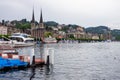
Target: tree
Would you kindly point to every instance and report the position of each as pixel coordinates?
(48, 28)
(71, 36)
(65, 28)
(47, 34)
(23, 26)
(51, 23)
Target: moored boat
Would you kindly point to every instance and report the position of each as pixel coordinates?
(50, 40)
(18, 40)
(4, 40)
(21, 39)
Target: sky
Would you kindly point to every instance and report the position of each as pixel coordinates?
(86, 13)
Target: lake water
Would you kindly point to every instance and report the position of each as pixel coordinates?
(83, 61)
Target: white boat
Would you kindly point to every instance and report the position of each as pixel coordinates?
(108, 40)
(21, 39)
(5, 40)
(50, 40)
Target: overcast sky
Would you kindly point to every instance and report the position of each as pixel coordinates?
(85, 13)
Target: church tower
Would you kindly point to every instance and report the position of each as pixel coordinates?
(41, 24)
(33, 24)
(41, 27)
(37, 32)
(33, 21)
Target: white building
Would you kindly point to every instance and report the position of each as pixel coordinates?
(95, 37)
(3, 30)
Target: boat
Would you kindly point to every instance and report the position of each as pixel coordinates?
(21, 39)
(108, 40)
(18, 40)
(50, 40)
(4, 40)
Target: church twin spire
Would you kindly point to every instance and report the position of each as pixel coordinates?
(33, 18)
(37, 31)
(41, 18)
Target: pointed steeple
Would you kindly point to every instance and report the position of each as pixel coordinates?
(33, 21)
(33, 18)
(41, 18)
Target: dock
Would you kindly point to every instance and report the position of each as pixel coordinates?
(10, 58)
(22, 58)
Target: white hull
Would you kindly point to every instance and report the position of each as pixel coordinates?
(50, 40)
(18, 40)
(22, 44)
(17, 44)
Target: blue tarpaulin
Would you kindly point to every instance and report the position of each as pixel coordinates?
(11, 63)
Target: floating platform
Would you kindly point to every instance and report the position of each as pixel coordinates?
(8, 52)
(9, 58)
(15, 61)
(11, 63)
(22, 58)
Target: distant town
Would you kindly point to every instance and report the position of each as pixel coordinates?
(40, 30)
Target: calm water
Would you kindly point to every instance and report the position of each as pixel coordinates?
(83, 61)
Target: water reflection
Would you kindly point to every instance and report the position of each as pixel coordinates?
(45, 70)
(32, 72)
(37, 72)
(41, 47)
(39, 50)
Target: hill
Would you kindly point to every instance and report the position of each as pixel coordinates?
(97, 30)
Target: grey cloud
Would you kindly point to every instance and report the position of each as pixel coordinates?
(81, 12)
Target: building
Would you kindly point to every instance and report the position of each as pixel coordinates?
(8, 30)
(3, 30)
(95, 37)
(37, 31)
(12, 29)
(79, 35)
(80, 29)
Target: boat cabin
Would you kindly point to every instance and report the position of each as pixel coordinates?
(21, 37)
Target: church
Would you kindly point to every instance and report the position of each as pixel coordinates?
(37, 31)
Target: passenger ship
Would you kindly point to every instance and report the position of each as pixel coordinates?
(21, 39)
(50, 40)
(18, 40)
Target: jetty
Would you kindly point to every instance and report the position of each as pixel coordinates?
(10, 58)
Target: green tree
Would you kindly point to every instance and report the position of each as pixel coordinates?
(23, 26)
(48, 28)
(50, 23)
(47, 34)
(71, 36)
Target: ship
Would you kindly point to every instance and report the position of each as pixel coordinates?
(50, 40)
